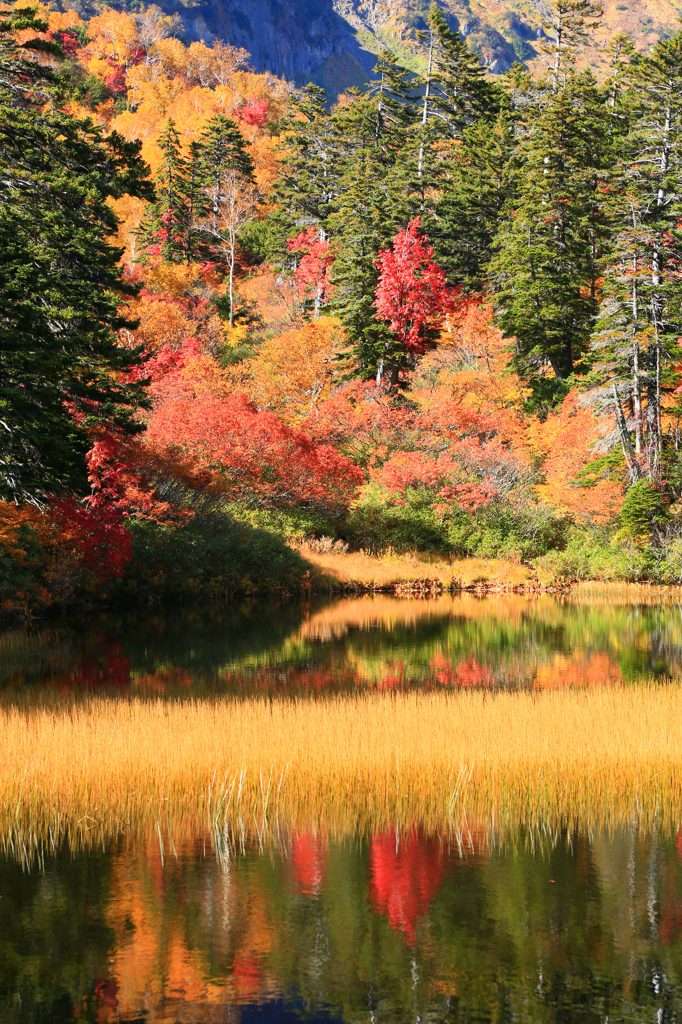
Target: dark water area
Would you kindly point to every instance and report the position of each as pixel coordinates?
(394, 927)
(385, 643)
(397, 927)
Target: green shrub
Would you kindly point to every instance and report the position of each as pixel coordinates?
(210, 556)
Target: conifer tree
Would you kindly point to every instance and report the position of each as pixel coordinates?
(459, 103)
(459, 94)
(544, 267)
(307, 184)
(394, 118)
(62, 373)
(640, 318)
(196, 205)
(167, 223)
(474, 187)
(568, 25)
(371, 208)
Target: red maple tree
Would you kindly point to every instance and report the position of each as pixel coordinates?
(412, 293)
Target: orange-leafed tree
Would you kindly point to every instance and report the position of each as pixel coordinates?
(293, 373)
(575, 480)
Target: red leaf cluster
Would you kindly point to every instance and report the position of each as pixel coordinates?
(228, 446)
(412, 293)
(315, 259)
(254, 113)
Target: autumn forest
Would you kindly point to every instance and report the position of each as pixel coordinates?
(245, 325)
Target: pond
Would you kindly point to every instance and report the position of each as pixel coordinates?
(507, 641)
(470, 923)
(393, 927)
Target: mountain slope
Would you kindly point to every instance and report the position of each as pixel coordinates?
(334, 42)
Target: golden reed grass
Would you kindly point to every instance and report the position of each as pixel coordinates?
(90, 769)
(362, 569)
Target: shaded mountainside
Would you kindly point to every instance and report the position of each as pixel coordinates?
(334, 42)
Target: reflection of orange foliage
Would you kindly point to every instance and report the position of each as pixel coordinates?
(371, 611)
(578, 670)
(308, 858)
(153, 959)
(405, 874)
(468, 672)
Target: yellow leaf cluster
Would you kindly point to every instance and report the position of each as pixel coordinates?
(294, 371)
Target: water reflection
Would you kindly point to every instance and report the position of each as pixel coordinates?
(399, 927)
(379, 642)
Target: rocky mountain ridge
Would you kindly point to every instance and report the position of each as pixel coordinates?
(334, 42)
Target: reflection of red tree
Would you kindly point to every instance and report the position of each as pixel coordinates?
(109, 668)
(404, 877)
(106, 993)
(246, 975)
(670, 924)
(467, 673)
(308, 858)
(670, 921)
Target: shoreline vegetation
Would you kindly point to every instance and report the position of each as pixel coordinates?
(302, 570)
(84, 772)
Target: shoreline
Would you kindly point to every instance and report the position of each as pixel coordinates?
(337, 574)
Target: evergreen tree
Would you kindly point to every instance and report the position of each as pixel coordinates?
(544, 264)
(223, 152)
(62, 373)
(394, 117)
(568, 25)
(167, 223)
(640, 318)
(307, 184)
(196, 205)
(459, 94)
(372, 207)
(474, 187)
(459, 103)
(231, 198)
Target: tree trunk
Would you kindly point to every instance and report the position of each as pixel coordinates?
(425, 117)
(637, 396)
(630, 457)
(232, 250)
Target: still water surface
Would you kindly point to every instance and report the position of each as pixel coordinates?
(368, 642)
(391, 928)
(396, 926)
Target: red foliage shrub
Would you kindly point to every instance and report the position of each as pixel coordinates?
(228, 446)
(254, 113)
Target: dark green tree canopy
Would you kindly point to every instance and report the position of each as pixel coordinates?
(62, 372)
